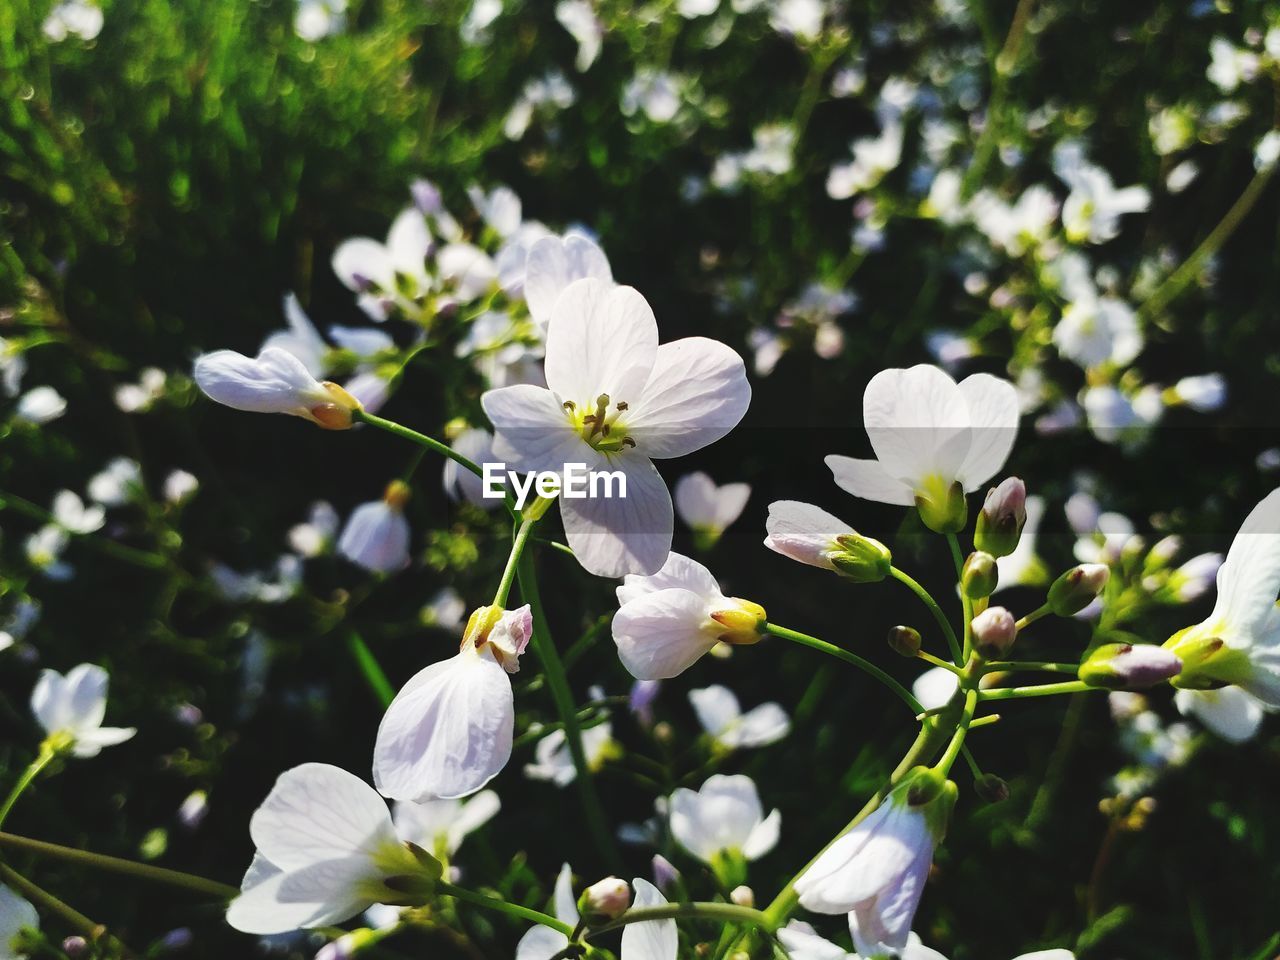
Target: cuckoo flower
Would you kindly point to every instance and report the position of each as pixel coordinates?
(71, 710)
(382, 272)
(934, 440)
(543, 943)
(448, 731)
(667, 621)
(615, 400)
(723, 819)
(376, 536)
(876, 872)
(326, 851)
(721, 716)
(804, 943)
(709, 509)
(1239, 644)
(273, 382)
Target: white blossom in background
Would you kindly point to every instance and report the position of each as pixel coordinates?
(72, 708)
(40, 405)
(440, 826)
(476, 445)
(723, 818)
(315, 535)
(116, 484)
(18, 623)
(1101, 536)
(1231, 713)
(180, 486)
(1229, 65)
(553, 264)
(1206, 393)
(1019, 227)
(445, 610)
(873, 158)
(1116, 417)
(376, 535)
(655, 93)
(1194, 577)
(44, 550)
(929, 433)
(1093, 209)
(723, 720)
(709, 509)
(325, 845)
(935, 687)
(1097, 330)
(13, 367)
(139, 397)
(449, 730)
(691, 9)
(542, 943)
(316, 19)
(614, 400)
(71, 513)
(73, 18)
(804, 943)
(1239, 643)
(579, 18)
(667, 621)
(500, 208)
(371, 268)
(554, 763)
(541, 96)
(801, 19)
(16, 915)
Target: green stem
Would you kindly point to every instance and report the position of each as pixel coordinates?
(831, 649)
(371, 669)
(502, 906)
(957, 555)
(1043, 690)
(943, 766)
(1002, 67)
(99, 861)
(42, 760)
(702, 910)
(91, 931)
(1033, 616)
(932, 604)
(553, 670)
(413, 436)
(939, 662)
(107, 547)
(517, 549)
(1042, 665)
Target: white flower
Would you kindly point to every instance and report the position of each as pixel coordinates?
(70, 513)
(316, 19)
(876, 872)
(873, 157)
(614, 400)
(1093, 208)
(935, 687)
(469, 270)
(73, 707)
(371, 268)
(649, 939)
(446, 610)
(440, 826)
(1230, 712)
(480, 16)
(44, 551)
(16, 915)
(690, 9)
(554, 763)
(1230, 66)
(668, 620)
(119, 482)
(500, 208)
(655, 92)
(1019, 227)
(718, 712)
(929, 434)
(180, 486)
(449, 730)
(325, 845)
(376, 536)
(1239, 643)
(1115, 417)
(1023, 567)
(1195, 576)
(274, 382)
(723, 818)
(801, 19)
(707, 508)
(578, 17)
(543, 943)
(553, 264)
(40, 405)
(1204, 394)
(301, 338)
(803, 943)
(73, 18)
(1098, 330)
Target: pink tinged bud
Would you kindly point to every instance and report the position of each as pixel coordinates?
(904, 641)
(743, 896)
(1077, 588)
(1121, 665)
(510, 636)
(1003, 515)
(665, 875)
(606, 899)
(994, 631)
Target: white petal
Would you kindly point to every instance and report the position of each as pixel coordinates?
(763, 836)
(376, 537)
(803, 532)
(993, 426)
(649, 939)
(1058, 954)
(869, 479)
(1249, 579)
(274, 382)
(918, 951)
(759, 727)
(565, 903)
(361, 261)
(935, 687)
(315, 896)
(316, 813)
(408, 242)
(554, 263)
(717, 708)
(16, 914)
(697, 393)
(614, 536)
(722, 815)
(448, 731)
(660, 635)
(474, 814)
(802, 943)
(602, 340)
(533, 432)
(84, 694)
(1231, 713)
(918, 423)
(89, 743)
(678, 571)
(540, 943)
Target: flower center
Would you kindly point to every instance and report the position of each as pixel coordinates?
(602, 427)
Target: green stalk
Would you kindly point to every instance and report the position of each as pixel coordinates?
(502, 906)
(1043, 690)
(943, 766)
(42, 760)
(832, 650)
(371, 669)
(932, 604)
(701, 910)
(513, 560)
(413, 436)
(77, 921)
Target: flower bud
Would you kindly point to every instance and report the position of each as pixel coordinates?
(605, 900)
(994, 631)
(943, 510)
(904, 641)
(665, 875)
(743, 896)
(1207, 662)
(741, 621)
(1122, 665)
(979, 575)
(75, 947)
(1003, 515)
(991, 788)
(861, 559)
(1077, 588)
(337, 413)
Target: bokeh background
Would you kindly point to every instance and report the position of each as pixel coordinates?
(165, 183)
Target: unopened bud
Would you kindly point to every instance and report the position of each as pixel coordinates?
(743, 896)
(861, 559)
(979, 575)
(605, 900)
(75, 947)
(1077, 588)
(994, 631)
(742, 621)
(665, 875)
(904, 641)
(991, 788)
(1122, 665)
(1003, 515)
(943, 510)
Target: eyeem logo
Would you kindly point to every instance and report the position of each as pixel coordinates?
(576, 483)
